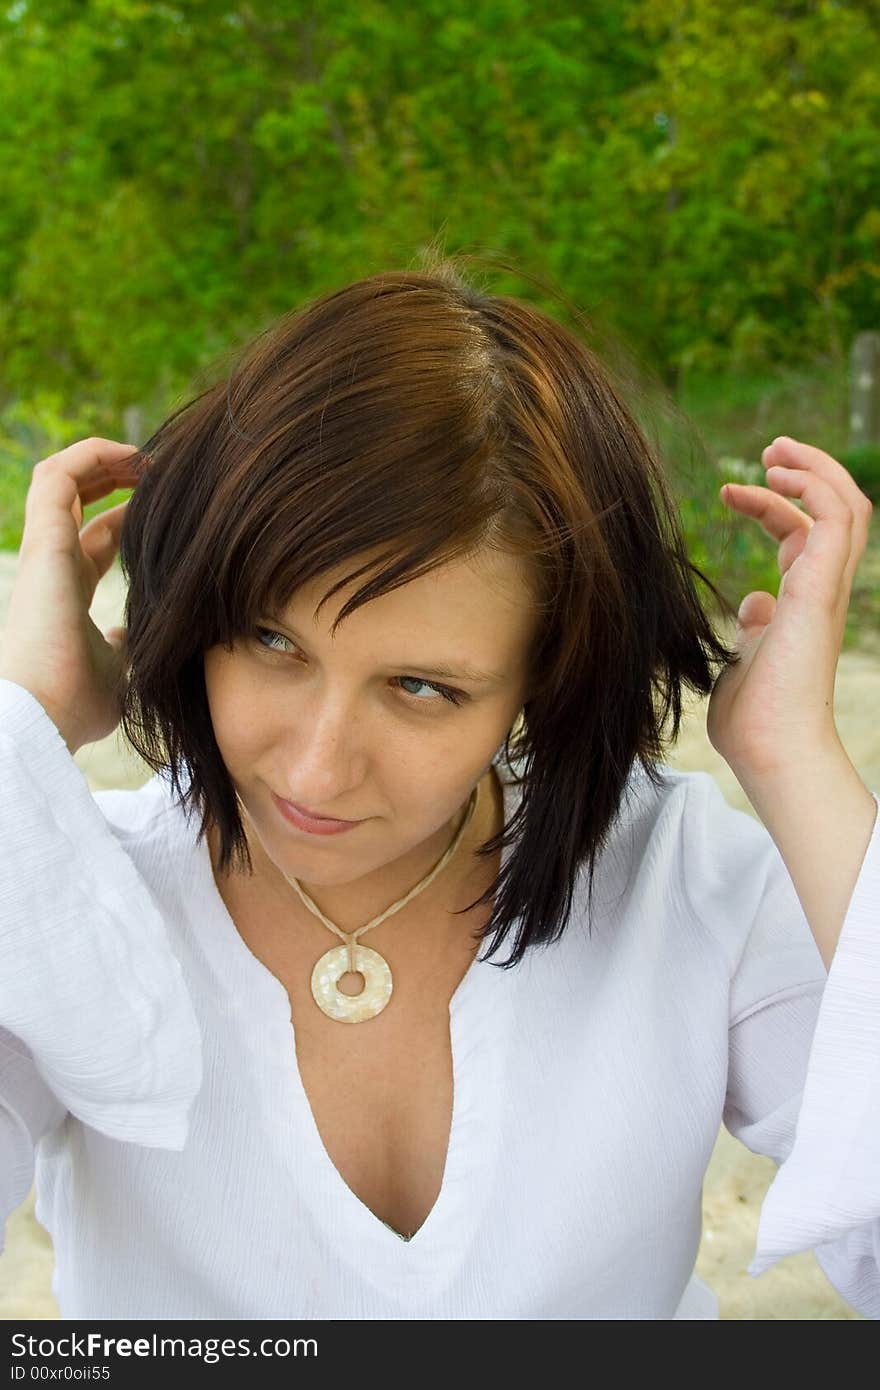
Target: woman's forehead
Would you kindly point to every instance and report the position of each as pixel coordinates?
(488, 578)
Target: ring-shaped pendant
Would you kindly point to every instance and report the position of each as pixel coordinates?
(351, 1008)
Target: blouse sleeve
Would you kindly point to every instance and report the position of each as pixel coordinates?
(804, 1046)
(95, 1016)
(28, 1110)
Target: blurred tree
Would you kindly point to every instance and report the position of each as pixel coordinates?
(766, 120)
(704, 177)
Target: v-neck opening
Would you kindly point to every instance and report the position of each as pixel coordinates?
(469, 1032)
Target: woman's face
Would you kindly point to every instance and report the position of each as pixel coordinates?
(359, 728)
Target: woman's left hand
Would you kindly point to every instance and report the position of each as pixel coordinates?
(778, 701)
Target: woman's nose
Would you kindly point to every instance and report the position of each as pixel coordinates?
(324, 758)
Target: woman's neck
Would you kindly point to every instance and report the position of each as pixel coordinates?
(350, 905)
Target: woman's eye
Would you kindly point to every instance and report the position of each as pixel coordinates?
(262, 632)
(452, 696)
(267, 638)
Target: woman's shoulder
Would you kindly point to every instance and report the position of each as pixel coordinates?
(158, 834)
(720, 866)
(676, 829)
(680, 855)
(643, 797)
(685, 823)
(143, 812)
(691, 799)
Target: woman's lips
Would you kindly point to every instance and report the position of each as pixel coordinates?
(313, 825)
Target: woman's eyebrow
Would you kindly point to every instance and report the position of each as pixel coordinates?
(464, 673)
(461, 671)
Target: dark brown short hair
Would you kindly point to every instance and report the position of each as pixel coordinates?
(414, 415)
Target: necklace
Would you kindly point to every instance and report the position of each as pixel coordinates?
(339, 960)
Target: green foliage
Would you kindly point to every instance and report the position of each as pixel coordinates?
(732, 551)
(863, 461)
(29, 432)
(738, 415)
(701, 177)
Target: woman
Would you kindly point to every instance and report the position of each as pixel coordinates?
(408, 610)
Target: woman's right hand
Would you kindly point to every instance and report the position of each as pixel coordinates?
(50, 644)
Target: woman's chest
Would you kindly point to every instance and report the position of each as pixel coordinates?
(381, 1091)
(578, 1067)
(382, 1102)
(582, 1126)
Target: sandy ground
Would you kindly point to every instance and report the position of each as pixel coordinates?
(736, 1180)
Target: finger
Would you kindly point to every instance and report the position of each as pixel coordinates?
(117, 637)
(791, 453)
(756, 610)
(780, 518)
(834, 539)
(63, 483)
(777, 516)
(99, 538)
(96, 463)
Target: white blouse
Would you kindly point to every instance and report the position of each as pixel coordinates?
(149, 1083)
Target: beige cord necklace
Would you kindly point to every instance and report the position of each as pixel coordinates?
(329, 969)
